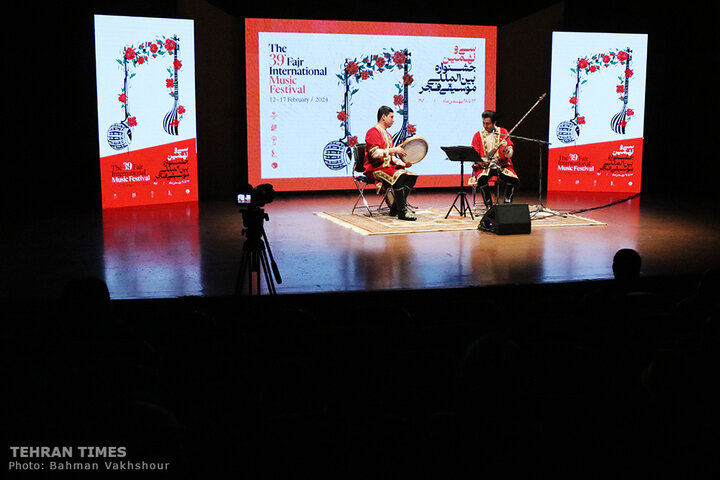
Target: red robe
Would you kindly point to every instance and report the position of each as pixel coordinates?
(378, 164)
(482, 140)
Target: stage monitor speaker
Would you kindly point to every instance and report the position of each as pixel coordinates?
(506, 219)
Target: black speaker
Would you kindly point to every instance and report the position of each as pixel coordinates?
(506, 219)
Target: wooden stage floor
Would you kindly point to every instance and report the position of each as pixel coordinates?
(194, 249)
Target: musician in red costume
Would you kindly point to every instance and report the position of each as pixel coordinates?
(492, 143)
(383, 163)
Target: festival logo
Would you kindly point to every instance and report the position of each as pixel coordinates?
(119, 135)
(569, 130)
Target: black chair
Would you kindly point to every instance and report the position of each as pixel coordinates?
(363, 182)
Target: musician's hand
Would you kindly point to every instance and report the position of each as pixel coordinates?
(483, 164)
(400, 163)
(400, 151)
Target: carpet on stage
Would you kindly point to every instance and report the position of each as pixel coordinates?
(433, 220)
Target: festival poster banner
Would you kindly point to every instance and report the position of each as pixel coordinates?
(314, 88)
(145, 70)
(597, 106)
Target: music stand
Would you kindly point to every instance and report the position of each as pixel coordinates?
(461, 154)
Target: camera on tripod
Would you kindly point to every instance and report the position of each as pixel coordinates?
(257, 259)
(255, 197)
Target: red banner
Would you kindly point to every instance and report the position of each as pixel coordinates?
(162, 174)
(599, 167)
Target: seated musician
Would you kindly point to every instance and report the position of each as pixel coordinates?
(492, 143)
(383, 165)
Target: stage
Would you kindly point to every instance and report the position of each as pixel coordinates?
(194, 249)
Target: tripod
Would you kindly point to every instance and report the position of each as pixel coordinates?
(461, 154)
(255, 254)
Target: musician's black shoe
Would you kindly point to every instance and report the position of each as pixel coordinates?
(393, 209)
(401, 195)
(486, 196)
(509, 193)
(407, 215)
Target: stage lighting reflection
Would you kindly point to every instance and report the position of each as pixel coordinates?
(152, 251)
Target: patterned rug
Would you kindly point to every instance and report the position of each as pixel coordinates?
(433, 220)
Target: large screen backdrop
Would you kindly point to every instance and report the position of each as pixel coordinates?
(145, 70)
(597, 106)
(314, 88)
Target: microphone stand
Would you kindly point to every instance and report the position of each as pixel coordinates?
(540, 207)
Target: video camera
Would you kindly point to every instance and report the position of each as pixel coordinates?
(255, 197)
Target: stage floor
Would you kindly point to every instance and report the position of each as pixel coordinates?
(195, 249)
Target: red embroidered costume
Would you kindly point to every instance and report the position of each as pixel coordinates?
(379, 164)
(488, 145)
(486, 142)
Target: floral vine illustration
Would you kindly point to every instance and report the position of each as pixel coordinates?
(598, 62)
(365, 69)
(141, 55)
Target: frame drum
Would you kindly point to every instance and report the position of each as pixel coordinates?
(416, 148)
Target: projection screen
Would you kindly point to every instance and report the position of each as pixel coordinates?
(314, 88)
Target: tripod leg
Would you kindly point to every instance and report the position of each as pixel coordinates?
(242, 271)
(265, 264)
(466, 206)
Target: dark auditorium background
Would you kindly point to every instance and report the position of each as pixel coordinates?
(232, 383)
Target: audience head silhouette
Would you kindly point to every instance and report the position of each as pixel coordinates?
(626, 265)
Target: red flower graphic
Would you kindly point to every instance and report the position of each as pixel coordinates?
(132, 122)
(170, 45)
(622, 55)
(380, 62)
(606, 59)
(177, 64)
(397, 99)
(169, 82)
(620, 88)
(583, 63)
(581, 120)
(628, 73)
(630, 112)
(399, 58)
(181, 109)
(352, 68)
(122, 98)
(573, 100)
(365, 75)
(153, 48)
(407, 79)
(352, 141)
(129, 53)
(342, 116)
(411, 128)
